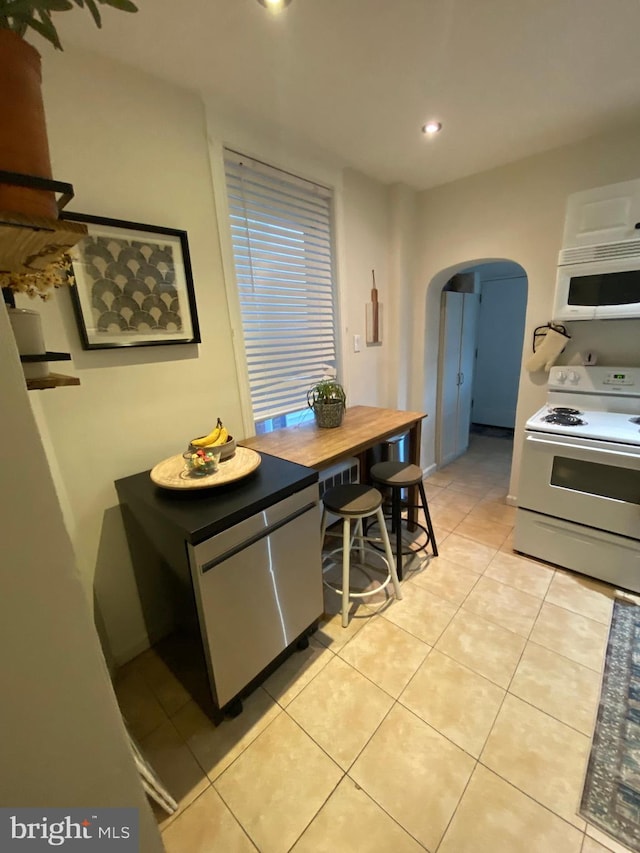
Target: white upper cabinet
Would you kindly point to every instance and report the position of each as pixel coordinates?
(603, 215)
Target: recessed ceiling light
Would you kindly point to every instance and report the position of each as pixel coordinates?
(431, 127)
(274, 5)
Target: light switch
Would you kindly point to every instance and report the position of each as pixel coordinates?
(356, 343)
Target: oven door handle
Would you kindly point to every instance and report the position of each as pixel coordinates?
(551, 443)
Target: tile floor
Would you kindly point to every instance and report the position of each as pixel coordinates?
(456, 720)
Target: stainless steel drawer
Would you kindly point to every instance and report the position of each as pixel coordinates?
(258, 586)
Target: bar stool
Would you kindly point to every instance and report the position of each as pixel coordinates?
(354, 502)
(398, 476)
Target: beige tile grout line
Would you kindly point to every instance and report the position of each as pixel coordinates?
(478, 759)
(507, 692)
(226, 805)
(396, 701)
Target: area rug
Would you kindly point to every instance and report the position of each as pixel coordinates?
(611, 795)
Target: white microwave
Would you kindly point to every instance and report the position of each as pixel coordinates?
(599, 282)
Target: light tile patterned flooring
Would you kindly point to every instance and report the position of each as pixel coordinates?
(456, 720)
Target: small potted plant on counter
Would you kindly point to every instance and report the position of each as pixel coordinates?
(328, 401)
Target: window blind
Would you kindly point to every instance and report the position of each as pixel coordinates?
(281, 230)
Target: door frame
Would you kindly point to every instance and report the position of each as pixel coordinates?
(438, 283)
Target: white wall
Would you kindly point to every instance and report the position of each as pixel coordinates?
(135, 148)
(403, 252)
(514, 213)
(63, 741)
(366, 240)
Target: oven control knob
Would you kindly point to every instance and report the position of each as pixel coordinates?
(573, 377)
(561, 376)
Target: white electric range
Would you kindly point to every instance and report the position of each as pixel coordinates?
(579, 493)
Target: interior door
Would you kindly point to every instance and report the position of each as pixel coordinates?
(458, 322)
(500, 331)
(468, 338)
(449, 366)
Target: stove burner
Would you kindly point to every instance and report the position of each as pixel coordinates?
(634, 420)
(562, 410)
(562, 419)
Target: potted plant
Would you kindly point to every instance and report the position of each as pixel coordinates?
(328, 401)
(24, 146)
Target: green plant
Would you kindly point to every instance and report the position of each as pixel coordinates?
(326, 391)
(19, 15)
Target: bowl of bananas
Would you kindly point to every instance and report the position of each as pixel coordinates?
(217, 439)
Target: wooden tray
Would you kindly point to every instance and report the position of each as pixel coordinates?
(171, 473)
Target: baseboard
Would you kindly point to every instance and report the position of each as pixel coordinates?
(131, 651)
(144, 642)
(511, 500)
(429, 470)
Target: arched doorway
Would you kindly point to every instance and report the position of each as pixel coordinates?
(482, 320)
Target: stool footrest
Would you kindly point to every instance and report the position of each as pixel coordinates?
(381, 585)
(407, 552)
(354, 503)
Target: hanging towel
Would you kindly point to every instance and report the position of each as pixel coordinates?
(548, 351)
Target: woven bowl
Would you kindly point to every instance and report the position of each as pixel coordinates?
(228, 449)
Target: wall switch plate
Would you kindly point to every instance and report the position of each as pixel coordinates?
(356, 343)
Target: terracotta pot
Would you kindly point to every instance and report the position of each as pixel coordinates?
(23, 131)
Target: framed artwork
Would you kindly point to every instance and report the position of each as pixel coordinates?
(133, 285)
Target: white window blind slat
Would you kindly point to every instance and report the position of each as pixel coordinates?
(276, 231)
(281, 217)
(262, 252)
(281, 231)
(269, 296)
(270, 362)
(292, 204)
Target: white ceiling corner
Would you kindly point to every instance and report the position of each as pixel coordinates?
(358, 78)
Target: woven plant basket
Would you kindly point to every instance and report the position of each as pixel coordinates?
(328, 414)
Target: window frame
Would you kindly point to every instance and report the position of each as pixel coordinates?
(217, 149)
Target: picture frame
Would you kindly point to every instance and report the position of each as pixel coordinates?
(133, 284)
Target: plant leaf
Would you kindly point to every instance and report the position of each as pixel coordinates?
(19, 15)
(95, 14)
(17, 9)
(123, 5)
(53, 5)
(28, 7)
(46, 29)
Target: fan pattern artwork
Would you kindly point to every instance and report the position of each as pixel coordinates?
(132, 285)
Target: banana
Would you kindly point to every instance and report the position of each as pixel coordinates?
(222, 438)
(210, 439)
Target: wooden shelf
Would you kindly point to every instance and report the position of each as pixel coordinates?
(53, 380)
(30, 243)
(45, 356)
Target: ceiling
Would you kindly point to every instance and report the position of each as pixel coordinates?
(356, 79)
